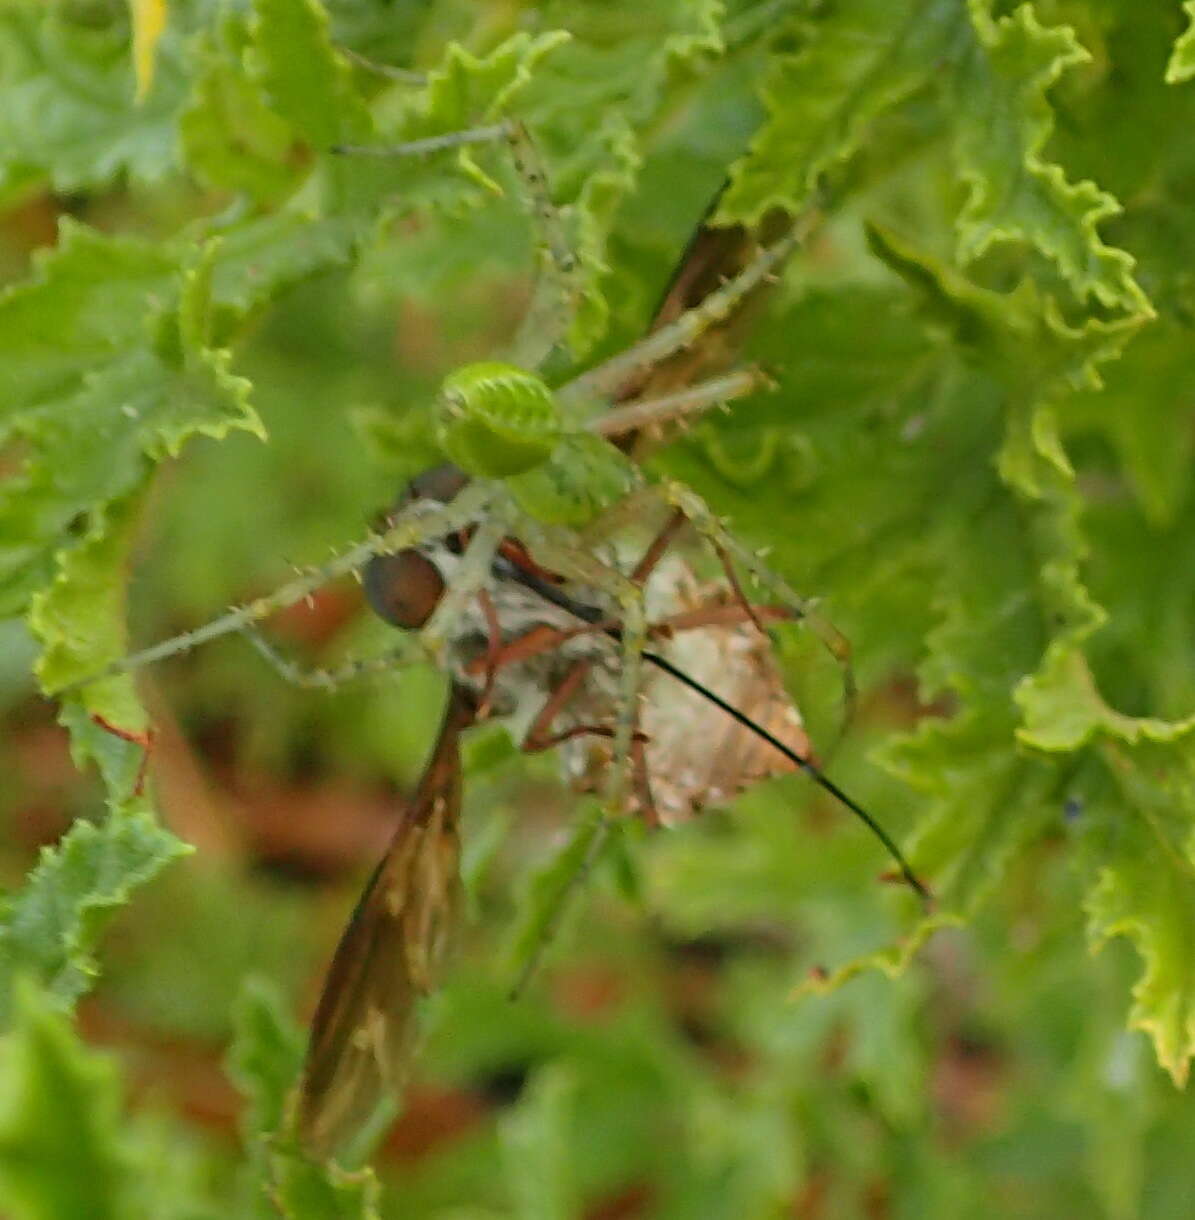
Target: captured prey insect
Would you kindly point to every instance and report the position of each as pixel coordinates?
(537, 566)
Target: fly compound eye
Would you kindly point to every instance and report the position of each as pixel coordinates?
(403, 588)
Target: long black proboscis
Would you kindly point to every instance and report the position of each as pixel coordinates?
(591, 614)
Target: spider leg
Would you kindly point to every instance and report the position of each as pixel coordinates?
(605, 380)
(731, 551)
(720, 616)
(467, 581)
(559, 287)
(702, 396)
(412, 527)
(659, 544)
(404, 76)
(580, 566)
(326, 679)
(540, 737)
(428, 144)
(732, 578)
(629, 745)
(558, 290)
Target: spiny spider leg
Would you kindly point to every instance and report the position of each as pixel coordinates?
(410, 528)
(542, 638)
(328, 679)
(586, 570)
(659, 544)
(542, 328)
(467, 581)
(545, 325)
(604, 380)
(635, 751)
(429, 144)
(732, 578)
(704, 395)
(403, 76)
(690, 507)
(724, 543)
(546, 322)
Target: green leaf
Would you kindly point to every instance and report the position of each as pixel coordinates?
(303, 1191)
(1143, 865)
(261, 258)
(986, 805)
(63, 1151)
(1003, 122)
(1020, 337)
(535, 1147)
(84, 305)
(1182, 60)
(857, 60)
(551, 886)
(51, 926)
(68, 99)
(1141, 410)
(1063, 709)
(80, 620)
(231, 138)
(306, 81)
(102, 381)
(265, 1056)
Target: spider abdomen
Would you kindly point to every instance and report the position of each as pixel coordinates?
(497, 420)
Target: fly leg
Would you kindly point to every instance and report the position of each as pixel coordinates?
(540, 737)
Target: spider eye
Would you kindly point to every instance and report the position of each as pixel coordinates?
(403, 588)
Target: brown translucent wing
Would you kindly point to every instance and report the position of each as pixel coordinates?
(364, 1028)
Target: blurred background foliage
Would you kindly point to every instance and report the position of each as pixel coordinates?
(974, 459)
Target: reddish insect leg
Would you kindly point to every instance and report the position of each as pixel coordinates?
(659, 544)
(733, 580)
(539, 737)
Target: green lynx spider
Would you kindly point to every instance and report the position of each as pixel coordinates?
(542, 471)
